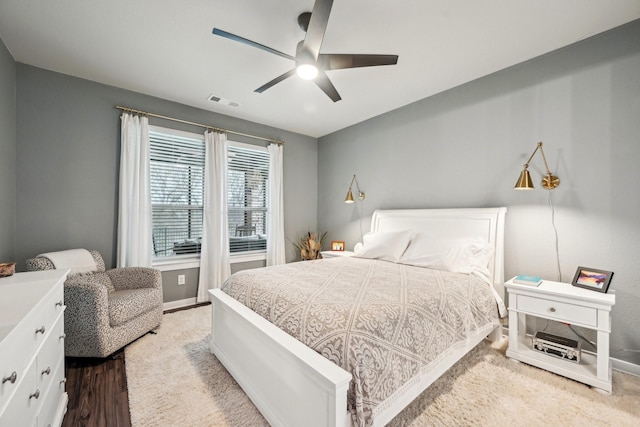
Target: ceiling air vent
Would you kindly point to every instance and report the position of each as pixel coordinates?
(224, 101)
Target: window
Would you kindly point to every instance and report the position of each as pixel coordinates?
(177, 177)
(248, 184)
(177, 183)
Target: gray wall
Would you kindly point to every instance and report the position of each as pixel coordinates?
(175, 292)
(466, 147)
(68, 133)
(7, 155)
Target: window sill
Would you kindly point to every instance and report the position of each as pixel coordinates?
(186, 263)
(248, 257)
(176, 264)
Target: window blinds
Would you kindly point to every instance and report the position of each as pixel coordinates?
(247, 181)
(177, 178)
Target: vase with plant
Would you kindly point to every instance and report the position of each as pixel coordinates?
(310, 245)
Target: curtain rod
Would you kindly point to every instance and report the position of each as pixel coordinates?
(214, 128)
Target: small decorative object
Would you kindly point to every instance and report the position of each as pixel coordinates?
(590, 278)
(337, 245)
(310, 245)
(527, 280)
(7, 269)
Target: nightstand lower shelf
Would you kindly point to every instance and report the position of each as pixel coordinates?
(584, 372)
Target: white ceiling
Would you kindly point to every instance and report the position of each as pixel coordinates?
(165, 48)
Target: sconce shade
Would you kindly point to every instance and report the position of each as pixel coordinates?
(524, 182)
(349, 198)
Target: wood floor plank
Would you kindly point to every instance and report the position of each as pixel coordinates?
(97, 391)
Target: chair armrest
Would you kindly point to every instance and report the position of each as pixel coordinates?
(86, 300)
(88, 282)
(135, 278)
(39, 263)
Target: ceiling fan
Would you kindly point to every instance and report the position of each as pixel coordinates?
(310, 63)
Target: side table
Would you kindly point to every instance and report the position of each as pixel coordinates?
(565, 303)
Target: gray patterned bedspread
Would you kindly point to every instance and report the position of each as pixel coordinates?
(382, 322)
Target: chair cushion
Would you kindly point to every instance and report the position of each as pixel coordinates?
(130, 303)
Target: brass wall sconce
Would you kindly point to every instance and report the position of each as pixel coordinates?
(549, 181)
(349, 198)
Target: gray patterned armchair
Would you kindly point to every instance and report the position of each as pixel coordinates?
(107, 310)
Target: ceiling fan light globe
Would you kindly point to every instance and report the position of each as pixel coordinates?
(307, 71)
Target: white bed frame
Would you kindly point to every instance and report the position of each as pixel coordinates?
(291, 384)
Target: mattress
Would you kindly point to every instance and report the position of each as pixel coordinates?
(383, 322)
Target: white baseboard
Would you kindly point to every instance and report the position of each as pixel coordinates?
(626, 367)
(170, 305)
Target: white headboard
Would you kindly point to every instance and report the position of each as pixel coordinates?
(452, 223)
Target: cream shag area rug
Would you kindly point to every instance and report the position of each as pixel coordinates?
(173, 380)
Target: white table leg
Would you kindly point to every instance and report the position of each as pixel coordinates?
(603, 356)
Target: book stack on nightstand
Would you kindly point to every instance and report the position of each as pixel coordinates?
(527, 280)
(563, 303)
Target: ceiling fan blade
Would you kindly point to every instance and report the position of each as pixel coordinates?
(327, 87)
(276, 81)
(230, 36)
(341, 61)
(317, 26)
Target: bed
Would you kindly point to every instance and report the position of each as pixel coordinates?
(292, 384)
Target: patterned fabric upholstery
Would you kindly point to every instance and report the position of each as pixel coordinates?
(107, 309)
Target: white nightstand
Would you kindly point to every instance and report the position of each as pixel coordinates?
(565, 303)
(334, 254)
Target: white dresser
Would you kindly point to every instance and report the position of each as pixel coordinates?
(32, 388)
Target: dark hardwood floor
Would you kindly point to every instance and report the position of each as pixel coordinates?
(97, 391)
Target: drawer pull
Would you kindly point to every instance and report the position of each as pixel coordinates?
(63, 336)
(552, 309)
(59, 303)
(11, 378)
(63, 381)
(41, 330)
(36, 394)
(46, 371)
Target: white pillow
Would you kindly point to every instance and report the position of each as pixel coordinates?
(456, 255)
(385, 245)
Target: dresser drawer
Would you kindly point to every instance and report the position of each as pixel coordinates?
(14, 357)
(48, 310)
(569, 313)
(50, 354)
(52, 411)
(24, 403)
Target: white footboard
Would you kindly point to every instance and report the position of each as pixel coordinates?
(289, 383)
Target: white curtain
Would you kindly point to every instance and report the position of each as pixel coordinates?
(275, 224)
(214, 259)
(135, 245)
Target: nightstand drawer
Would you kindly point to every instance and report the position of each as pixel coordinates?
(557, 310)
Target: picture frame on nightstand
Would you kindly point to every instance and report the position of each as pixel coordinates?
(337, 245)
(592, 279)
